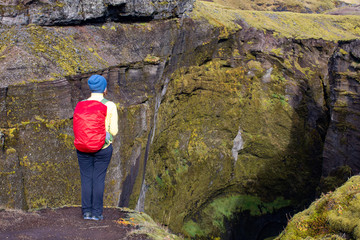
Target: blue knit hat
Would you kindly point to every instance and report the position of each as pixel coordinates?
(97, 84)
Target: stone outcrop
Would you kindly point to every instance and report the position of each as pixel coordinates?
(65, 12)
(224, 115)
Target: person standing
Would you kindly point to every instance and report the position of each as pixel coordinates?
(94, 144)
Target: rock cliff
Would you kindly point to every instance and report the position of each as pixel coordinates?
(225, 115)
(65, 12)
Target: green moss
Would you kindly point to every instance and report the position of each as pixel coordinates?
(224, 208)
(193, 229)
(333, 215)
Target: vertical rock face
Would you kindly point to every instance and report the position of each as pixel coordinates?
(38, 116)
(342, 147)
(39, 93)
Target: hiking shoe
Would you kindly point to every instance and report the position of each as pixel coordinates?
(97, 218)
(87, 216)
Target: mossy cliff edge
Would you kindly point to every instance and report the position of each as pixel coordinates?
(333, 216)
(223, 114)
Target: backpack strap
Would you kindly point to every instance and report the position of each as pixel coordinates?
(103, 101)
(108, 137)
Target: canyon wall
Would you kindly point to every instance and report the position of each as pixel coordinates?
(228, 119)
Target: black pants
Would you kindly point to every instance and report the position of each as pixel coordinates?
(93, 167)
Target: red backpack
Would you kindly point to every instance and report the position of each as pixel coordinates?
(89, 125)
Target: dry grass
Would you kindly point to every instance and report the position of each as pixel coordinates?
(145, 225)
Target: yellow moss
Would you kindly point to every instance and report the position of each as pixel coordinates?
(236, 53)
(60, 4)
(218, 16)
(152, 59)
(67, 139)
(60, 49)
(334, 213)
(285, 24)
(20, 83)
(2, 49)
(306, 71)
(343, 52)
(249, 56)
(24, 161)
(38, 118)
(276, 51)
(197, 147)
(255, 65)
(351, 1)
(289, 5)
(11, 132)
(10, 151)
(98, 56)
(6, 174)
(39, 203)
(53, 173)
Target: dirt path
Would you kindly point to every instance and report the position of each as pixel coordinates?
(63, 223)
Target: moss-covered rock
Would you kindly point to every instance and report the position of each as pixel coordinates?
(334, 216)
(312, 6)
(193, 163)
(284, 24)
(36, 54)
